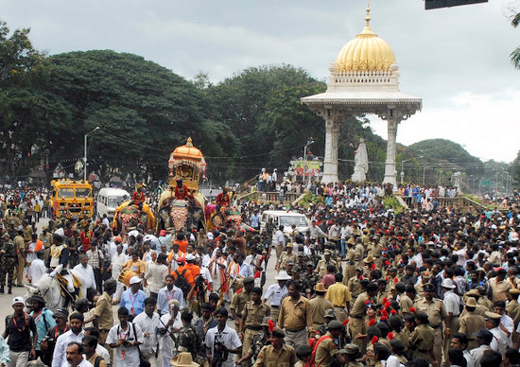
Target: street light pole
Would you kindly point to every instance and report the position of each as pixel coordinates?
(402, 165)
(309, 142)
(85, 154)
(424, 174)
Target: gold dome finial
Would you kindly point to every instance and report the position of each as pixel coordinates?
(366, 52)
(188, 142)
(367, 18)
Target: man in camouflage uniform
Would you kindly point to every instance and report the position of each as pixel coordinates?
(259, 341)
(8, 261)
(285, 256)
(309, 279)
(189, 339)
(322, 329)
(240, 298)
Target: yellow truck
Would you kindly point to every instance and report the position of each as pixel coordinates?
(72, 199)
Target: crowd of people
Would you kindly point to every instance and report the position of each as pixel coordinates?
(361, 286)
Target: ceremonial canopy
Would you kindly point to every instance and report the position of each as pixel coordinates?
(364, 78)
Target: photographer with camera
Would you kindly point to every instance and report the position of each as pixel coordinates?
(222, 342)
(125, 338)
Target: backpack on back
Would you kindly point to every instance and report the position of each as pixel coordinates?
(182, 283)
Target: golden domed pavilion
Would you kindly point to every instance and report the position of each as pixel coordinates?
(364, 78)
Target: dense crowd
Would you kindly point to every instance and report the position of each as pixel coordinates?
(361, 286)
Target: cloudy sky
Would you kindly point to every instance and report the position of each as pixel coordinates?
(456, 59)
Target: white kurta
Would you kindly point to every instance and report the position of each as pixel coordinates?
(165, 341)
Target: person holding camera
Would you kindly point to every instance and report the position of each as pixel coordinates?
(222, 342)
(125, 338)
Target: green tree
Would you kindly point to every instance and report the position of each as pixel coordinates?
(143, 110)
(515, 55)
(268, 125)
(25, 110)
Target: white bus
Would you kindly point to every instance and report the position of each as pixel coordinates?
(108, 199)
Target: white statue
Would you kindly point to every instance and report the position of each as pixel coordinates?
(361, 161)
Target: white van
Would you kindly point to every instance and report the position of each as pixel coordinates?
(108, 199)
(286, 219)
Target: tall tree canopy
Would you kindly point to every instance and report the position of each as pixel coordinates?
(143, 110)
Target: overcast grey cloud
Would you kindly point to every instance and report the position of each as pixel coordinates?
(456, 59)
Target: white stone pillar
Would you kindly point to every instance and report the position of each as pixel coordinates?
(330, 163)
(391, 148)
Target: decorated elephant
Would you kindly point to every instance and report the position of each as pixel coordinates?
(217, 217)
(129, 215)
(180, 215)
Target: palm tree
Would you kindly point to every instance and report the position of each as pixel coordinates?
(515, 55)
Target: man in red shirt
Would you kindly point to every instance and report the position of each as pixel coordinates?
(181, 191)
(223, 198)
(329, 278)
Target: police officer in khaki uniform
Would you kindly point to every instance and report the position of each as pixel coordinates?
(479, 309)
(425, 278)
(319, 305)
(350, 259)
(470, 323)
(278, 353)
(434, 308)
(367, 265)
(513, 307)
(321, 268)
(354, 285)
(376, 250)
(326, 349)
(251, 323)
(422, 339)
(259, 341)
(357, 323)
(19, 244)
(240, 298)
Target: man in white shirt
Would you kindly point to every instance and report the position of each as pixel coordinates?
(276, 293)
(499, 342)
(105, 221)
(245, 269)
(88, 274)
(118, 241)
(37, 269)
(156, 273)
(484, 338)
(75, 334)
(147, 253)
(459, 340)
(168, 293)
(31, 255)
(118, 259)
(452, 305)
(225, 335)
(75, 356)
(149, 322)
(507, 324)
(279, 242)
(165, 239)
